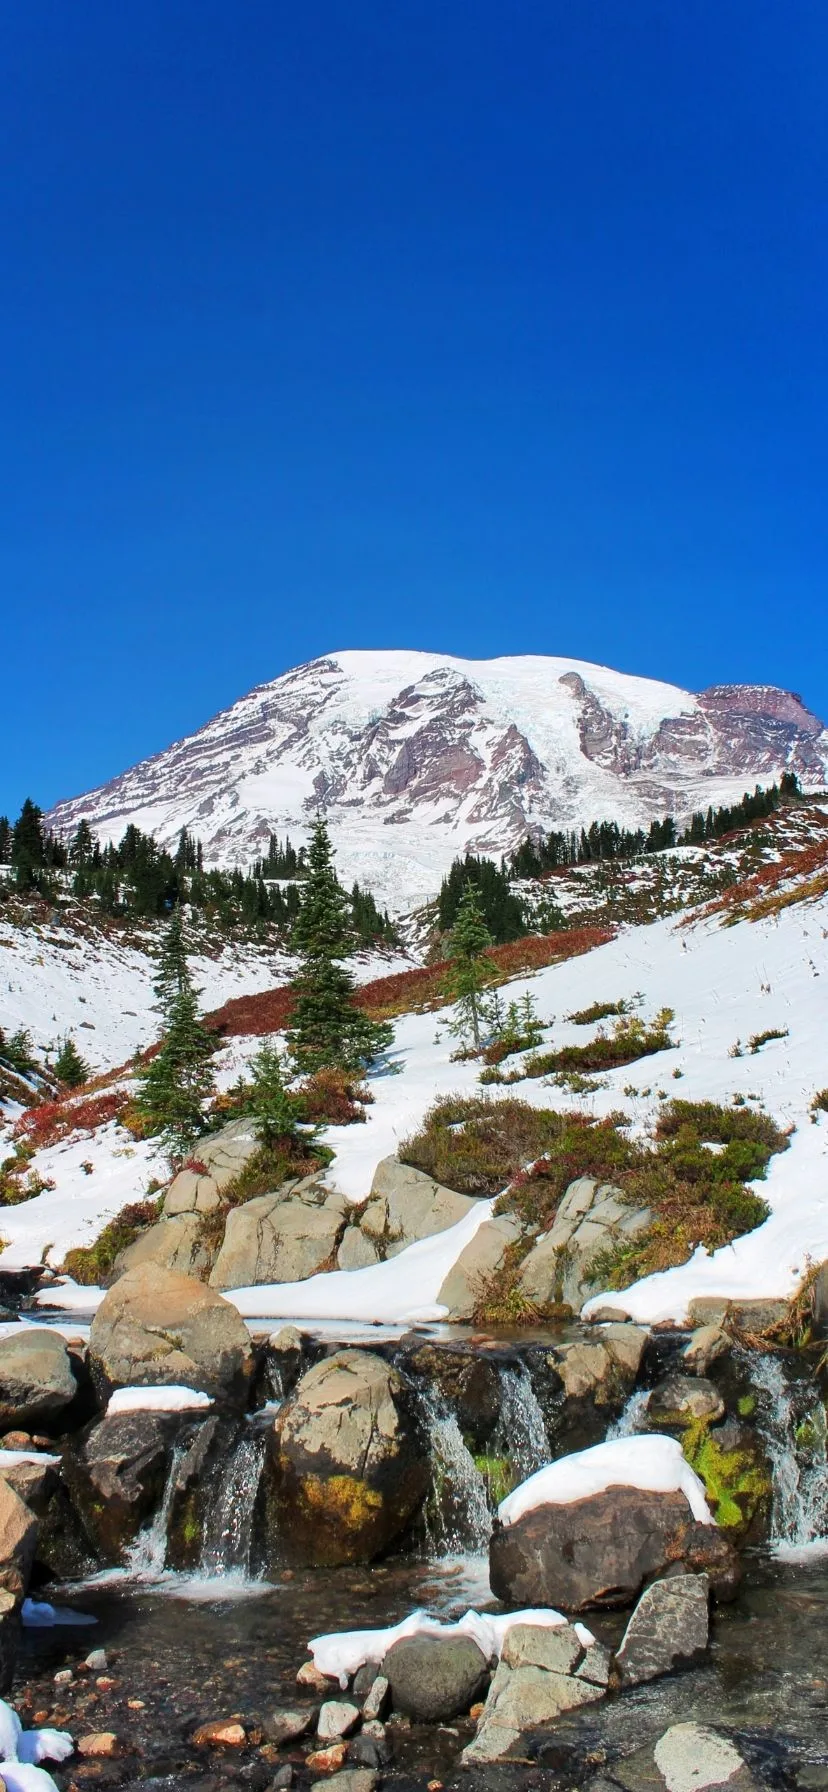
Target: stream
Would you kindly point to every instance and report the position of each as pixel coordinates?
(221, 1643)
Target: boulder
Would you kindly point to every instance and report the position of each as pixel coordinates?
(198, 1188)
(36, 1379)
(668, 1629)
(689, 1757)
(602, 1366)
(593, 1217)
(348, 1465)
(681, 1400)
(115, 1473)
(158, 1329)
(18, 1537)
(174, 1244)
(283, 1237)
(406, 1205)
(602, 1550)
(536, 1680)
(755, 1316)
(357, 1250)
(337, 1718)
(33, 1482)
(479, 1260)
(704, 1348)
(285, 1726)
(433, 1679)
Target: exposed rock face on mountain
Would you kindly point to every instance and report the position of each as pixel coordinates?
(415, 757)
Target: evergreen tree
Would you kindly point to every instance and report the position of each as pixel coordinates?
(5, 840)
(328, 1029)
(69, 1067)
(179, 1079)
(28, 854)
(470, 971)
(274, 1111)
(82, 846)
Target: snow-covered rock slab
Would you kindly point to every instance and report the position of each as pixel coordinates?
(171, 1399)
(340, 1653)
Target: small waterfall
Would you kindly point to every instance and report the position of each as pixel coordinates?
(228, 1533)
(146, 1559)
(462, 1521)
(521, 1431)
(794, 1433)
(631, 1419)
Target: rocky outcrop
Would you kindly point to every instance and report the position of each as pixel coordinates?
(602, 1550)
(348, 1466)
(668, 1629)
(37, 1382)
(434, 1679)
(406, 1205)
(157, 1329)
(174, 1244)
(283, 1237)
(198, 1188)
(479, 1260)
(592, 1218)
(539, 1676)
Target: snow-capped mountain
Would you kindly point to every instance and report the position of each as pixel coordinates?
(415, 757)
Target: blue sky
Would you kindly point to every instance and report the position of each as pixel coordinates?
(453, 325)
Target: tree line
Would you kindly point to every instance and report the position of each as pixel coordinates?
(136, 876)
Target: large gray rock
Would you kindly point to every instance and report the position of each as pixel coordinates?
(592, 1217)
(348, 1465)
(479, 1260)
(357, 1250)
(535, 1682)
(601, 1551)
(601, 1367)
(433, 1679)
(36, 1378)
(681, 1400)
(115, 1473)
(668, 1629)
(283, 1237)
(217, 1162)
(175, 1244)
(18, 1537)
(157, 1329)
(406, 1205)
(689, 1757)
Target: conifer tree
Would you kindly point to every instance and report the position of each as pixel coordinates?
(328, 1029)
(179, 1079)
(470, 972)
(69, 1067)
(274, 1111)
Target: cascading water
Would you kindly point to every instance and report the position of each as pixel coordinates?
(792, 1423)
(630, 1421)
(460, 1523)
(521, 1431)
(228, 1534)
(146, 1559)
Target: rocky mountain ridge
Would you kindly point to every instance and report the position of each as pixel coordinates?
(415, 757)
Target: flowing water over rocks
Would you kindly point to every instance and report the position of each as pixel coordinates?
(793, 1426)
(228, 1535)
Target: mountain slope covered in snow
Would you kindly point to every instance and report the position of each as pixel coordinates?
(415, 757)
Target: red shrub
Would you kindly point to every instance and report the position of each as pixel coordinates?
(56, 1120)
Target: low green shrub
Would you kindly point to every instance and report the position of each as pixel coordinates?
(91, 1264)
(757, 1040)
(584, 1017)
(631, 1039)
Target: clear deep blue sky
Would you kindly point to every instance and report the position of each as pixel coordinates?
(489, 328)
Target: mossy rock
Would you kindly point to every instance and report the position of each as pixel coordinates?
(737, 1480)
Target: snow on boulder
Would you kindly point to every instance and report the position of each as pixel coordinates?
(592, 1529)
(170, 1399)
(340, 1654)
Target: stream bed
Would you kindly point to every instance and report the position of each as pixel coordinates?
(192, 1652)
